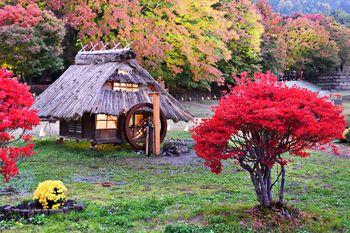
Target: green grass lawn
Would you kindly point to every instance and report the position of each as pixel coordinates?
(154, 195)
(200, 108)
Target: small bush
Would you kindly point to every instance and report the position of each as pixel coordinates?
(346, 135)
(50, 194)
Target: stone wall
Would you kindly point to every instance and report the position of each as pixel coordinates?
(339, 81)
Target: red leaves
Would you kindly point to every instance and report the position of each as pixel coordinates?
(121, 20)
(262, 119)
(176, 36)
(30, 39)
(15, 101)
(26, 137)
(24, 17)
(8, 158)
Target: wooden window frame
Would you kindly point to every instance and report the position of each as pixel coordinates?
(106, 119)
(74, 127)
(127, 87)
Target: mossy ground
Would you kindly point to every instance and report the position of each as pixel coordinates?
(163, 197)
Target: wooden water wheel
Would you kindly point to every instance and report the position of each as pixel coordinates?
(136, 122)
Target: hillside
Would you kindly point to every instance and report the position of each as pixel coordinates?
(288, 7)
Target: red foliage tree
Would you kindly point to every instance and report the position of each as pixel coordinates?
(261, 120)
(30, 40)
(15, 119)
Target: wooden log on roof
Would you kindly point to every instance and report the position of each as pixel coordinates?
(104, 56)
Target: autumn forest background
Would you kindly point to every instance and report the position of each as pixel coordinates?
(276, 144)
(187, 44)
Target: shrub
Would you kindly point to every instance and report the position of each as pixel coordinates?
(16, 118)
(260, 121)
(346, 135)
(50, 194)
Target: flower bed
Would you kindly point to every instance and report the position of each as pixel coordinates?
(29, 209)
(50, 197)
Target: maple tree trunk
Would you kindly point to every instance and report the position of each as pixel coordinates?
(283, 180)
(261, 178)
(269, 185)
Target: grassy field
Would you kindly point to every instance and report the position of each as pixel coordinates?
(173, 194)
(199, 108)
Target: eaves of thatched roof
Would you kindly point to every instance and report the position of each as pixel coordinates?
(80, 90)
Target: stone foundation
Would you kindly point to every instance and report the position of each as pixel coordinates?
(339, 81)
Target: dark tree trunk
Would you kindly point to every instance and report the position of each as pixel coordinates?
(283, 180)
(261, 178)
(260, 175)
(263, 185)
(257, 188)
(269, 185)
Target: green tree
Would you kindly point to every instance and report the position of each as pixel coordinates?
(245, 51)
(341, 17)
(338, 33)
(290, 7)
(31, 40)
(197, 35)
(309, 46)
(273, 47)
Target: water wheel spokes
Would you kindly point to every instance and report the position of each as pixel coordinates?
(137, 120)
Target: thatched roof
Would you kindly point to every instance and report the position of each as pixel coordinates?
(80, 89)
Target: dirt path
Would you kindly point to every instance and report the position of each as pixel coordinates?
(189, 159)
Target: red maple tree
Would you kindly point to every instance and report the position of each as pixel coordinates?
(259, 121)
(15, 118)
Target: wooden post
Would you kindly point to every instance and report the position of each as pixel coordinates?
(147, 141)
(156, 122)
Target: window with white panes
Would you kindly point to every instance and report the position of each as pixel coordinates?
(128, 87)
(106, 122)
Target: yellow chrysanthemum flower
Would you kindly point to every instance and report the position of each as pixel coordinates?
(345, 133)
(51, 194)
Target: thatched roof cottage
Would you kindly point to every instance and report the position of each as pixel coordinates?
(93, 97)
